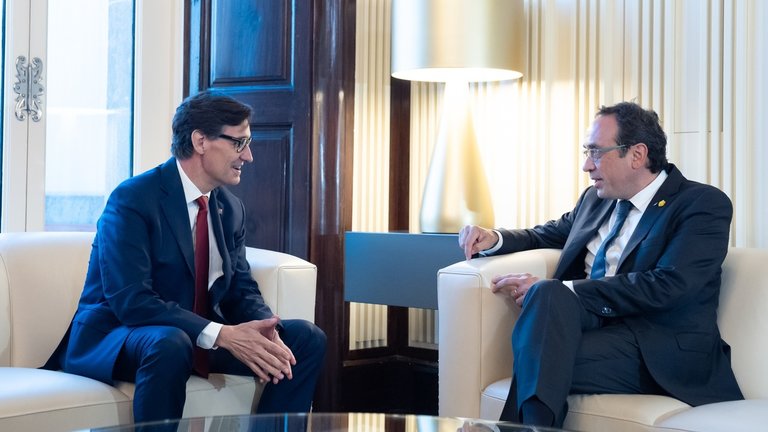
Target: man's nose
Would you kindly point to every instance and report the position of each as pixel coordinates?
(246, 154)
(588, 164)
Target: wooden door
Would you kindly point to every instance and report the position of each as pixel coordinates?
(259, 52)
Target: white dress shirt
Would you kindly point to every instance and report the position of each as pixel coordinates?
(207, 337)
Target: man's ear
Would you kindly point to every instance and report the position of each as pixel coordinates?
(198, 141)
(639, 155)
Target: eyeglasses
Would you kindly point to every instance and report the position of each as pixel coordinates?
(595, 153)
(240, 143)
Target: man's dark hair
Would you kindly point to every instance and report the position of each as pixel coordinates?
(637, 125)
(208, 111)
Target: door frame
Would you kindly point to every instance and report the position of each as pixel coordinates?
(23, 140)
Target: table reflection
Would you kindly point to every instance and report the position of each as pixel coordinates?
(322, 422)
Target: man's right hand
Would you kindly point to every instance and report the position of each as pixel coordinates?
(474, 239)
(257, 344)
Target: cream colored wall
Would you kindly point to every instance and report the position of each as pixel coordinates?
(699, 64)
(158, 83)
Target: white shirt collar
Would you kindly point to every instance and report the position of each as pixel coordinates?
(191, 192)
(642, 199)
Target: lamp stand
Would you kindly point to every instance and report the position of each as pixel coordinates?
(456, 191)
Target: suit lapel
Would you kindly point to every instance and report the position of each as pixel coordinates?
(584, 229)
(663, 197)
(175, 211)
(217, 212)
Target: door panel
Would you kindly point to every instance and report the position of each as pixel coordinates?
(259, 53)
(266, 197)
(261, 31)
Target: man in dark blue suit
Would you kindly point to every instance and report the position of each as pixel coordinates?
(633, 304)
(135, 319)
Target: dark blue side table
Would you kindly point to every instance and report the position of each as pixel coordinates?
(396, 269)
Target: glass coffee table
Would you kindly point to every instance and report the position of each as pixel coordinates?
(325, 422)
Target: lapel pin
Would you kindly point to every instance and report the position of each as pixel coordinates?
(221, 211)
(661, 203)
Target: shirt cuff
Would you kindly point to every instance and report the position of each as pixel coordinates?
(495, 247)
(208, 336)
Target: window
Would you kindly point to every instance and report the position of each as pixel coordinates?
(90, 108)
(111, 74)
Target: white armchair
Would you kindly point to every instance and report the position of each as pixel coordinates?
(475, 358)
(41, 278)
(475, 329)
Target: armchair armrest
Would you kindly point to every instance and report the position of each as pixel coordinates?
(287, 283)
(475, 326)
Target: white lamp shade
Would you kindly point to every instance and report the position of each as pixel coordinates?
(468, 40)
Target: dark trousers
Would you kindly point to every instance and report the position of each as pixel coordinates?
(159, 360)
(560, 348)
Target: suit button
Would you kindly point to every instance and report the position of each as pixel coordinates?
(607, 311)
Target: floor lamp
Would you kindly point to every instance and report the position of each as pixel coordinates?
(457, 42)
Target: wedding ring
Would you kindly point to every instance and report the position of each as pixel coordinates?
(515, 291)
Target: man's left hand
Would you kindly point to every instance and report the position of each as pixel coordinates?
(258, 345)
(515, 285)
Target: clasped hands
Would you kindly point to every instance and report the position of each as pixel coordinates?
(258, 345)
(474, 239)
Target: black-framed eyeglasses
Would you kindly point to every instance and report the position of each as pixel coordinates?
(595, 153)
(240, 143)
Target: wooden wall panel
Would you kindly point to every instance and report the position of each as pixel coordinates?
(333, 94)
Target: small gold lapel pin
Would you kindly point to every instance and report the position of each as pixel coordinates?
(661, 203)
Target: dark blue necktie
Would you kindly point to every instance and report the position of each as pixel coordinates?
(599, 265)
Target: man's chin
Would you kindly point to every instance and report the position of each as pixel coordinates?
(234, 179)
(606, 196)
(601, 193)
